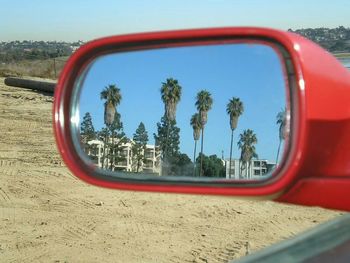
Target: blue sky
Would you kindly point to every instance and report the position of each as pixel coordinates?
(88, 19)
(249, 71)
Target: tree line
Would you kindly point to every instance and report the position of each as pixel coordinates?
(15, 51)
(333, 39)
(167, 137)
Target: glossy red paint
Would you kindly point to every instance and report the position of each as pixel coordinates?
(321, 118)
(324, 176)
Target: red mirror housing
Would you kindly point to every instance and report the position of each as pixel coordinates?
(317, 168)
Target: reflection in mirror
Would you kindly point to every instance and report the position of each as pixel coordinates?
(202, 111)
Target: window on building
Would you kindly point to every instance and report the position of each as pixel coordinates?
(232, 171)
(123, 153)
(148, 165)
(257, 172)
(93, 150)
(256, 163)
(123, 163)
(149, 154)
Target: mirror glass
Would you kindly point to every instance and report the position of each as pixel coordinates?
(214, 111)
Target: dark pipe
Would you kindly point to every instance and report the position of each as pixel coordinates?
(44, 86)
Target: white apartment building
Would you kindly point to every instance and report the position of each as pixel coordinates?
(257, 169)
(94, 151)
(150, 165)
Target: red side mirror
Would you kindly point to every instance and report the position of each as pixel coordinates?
(256, 72)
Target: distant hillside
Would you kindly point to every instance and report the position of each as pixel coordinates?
(35, 58)
(46, 58)
(43, 68)
(335, 40)
(35, 50)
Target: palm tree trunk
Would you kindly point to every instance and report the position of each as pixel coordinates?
(194, 158)
(278, 151)
(111, 158)
(239, 168)
(103, 156)
(249, 173)
(113, 151)
(111, 154)
(201, 168)
(165, 156)
(104, 152)
(231, 153)
(138, 160)
(108, 151)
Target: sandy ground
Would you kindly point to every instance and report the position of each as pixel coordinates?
(47, 215)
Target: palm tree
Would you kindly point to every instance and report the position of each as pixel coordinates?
(171, 95)
(246, 142)
(112, 96)
(204, 103)
(115, 129)
(196, 125)
(281, 121)
(234, 109)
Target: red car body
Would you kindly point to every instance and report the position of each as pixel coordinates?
(316, 168)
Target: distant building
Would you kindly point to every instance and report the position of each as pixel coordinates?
(74, 48)
(94, 151)
(256, 169)
(151, 164)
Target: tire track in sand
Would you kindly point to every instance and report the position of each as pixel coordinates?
(207, 252)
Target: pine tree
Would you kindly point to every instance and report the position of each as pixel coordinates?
(87, 131)
(139, 148)
(212, 166)
(182, 165)
(102, 135)
(168, 140)
(117, 139)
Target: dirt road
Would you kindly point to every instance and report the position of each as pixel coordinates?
(47, 215)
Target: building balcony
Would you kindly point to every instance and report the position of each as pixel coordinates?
(122, 164)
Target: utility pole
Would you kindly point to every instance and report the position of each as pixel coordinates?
(54, 67)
